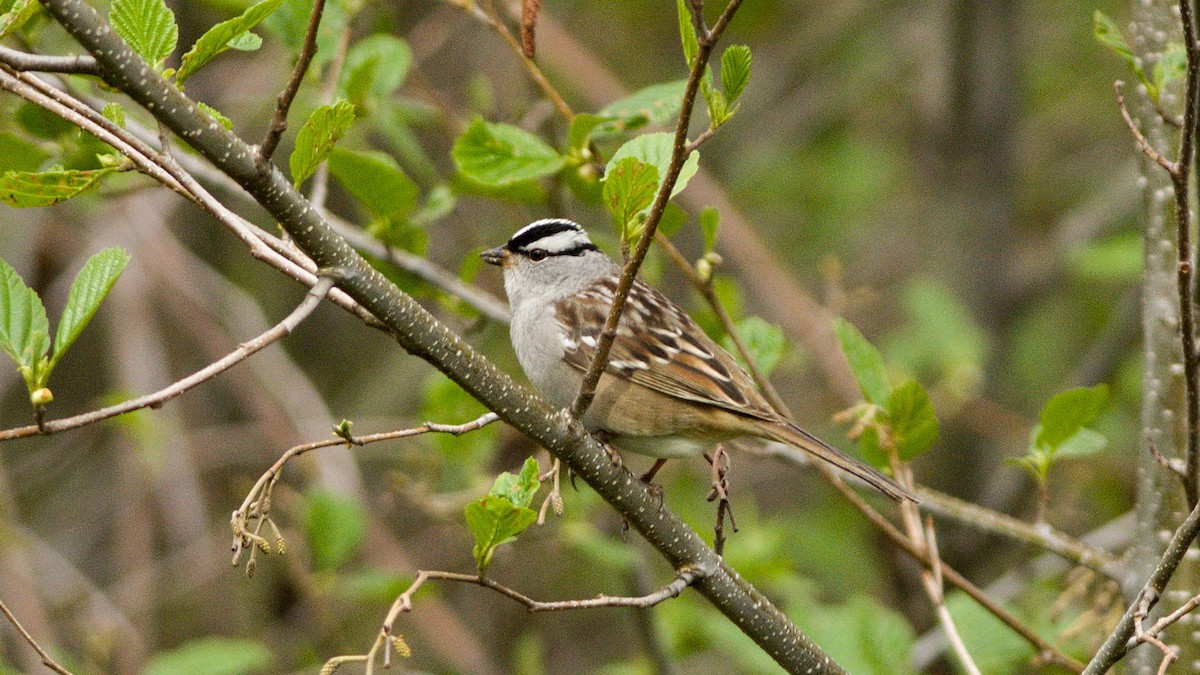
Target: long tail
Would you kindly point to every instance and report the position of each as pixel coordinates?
(786, 432)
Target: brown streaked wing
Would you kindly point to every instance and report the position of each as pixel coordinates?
(657, 346)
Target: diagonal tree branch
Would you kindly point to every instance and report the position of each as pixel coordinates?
(422, 335)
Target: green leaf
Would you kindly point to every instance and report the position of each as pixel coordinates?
(22, 319)
(710, 223)
(992, 644)
(582, 127)
(245, 42)
(148, 26)
(718, 106)
(315, 140)
(865, 361)
(629, 189)
(215, 114)
(219, 38)
(335, 526)
(654, 104)
(687, 32)
(501, 154)
(24, 189)
(518, 488)
(289, 24)
(764, 340)
(495, 521)
(42, 123)
(114, 113)
(212, 656)
(863, 636)
(375, 180)
(1068, 412)
(913, 423)
(439, 202)
(1171, 66)
(88, 290)
(375, 67)
(735, 71)
(656, 149)
(18, 154)
(1109, 35)
(1082, 443)
(16, 16)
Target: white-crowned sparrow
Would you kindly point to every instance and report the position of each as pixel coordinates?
(668, 389)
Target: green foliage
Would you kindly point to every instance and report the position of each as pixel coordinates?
(334, 526)
(582, 127)
(16, 16)
(375, 180)
(212, 656)
(114, 113)
(710, 223)
(687, 32)
(1113, 260)
(24, 189)
(735, 71)
(24, 327)
(1063, 429)
(462, 456)
(216, 115)
(656, 149)
(18, 154)
(941, 342)
(316, 139)
(865, 361)
(88, 290)
(912, 423)
(503, 514)
(229, 34)
(148, 26)
(375, 67)
(629, 189)
(764, 340)
(992, 644)
(862, 635)
(1172, 64)
(655, 104)
(289, 24)
(501, 155)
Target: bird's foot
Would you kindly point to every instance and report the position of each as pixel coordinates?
(648, 479)
(720, 492)
(603, 437)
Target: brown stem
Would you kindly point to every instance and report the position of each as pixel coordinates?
(46, 660)
(283, 102)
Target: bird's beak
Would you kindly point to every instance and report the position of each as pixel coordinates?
(495, 256)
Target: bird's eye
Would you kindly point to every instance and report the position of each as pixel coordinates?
(538, 254)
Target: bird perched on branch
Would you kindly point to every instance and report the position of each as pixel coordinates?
(667, 390)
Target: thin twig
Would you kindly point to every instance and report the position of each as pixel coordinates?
(1143, 143)
(69, 65)
(1183, 268)
(46, 660)
(684, 578)
(156, 399)
(587, 390)
(284, 101)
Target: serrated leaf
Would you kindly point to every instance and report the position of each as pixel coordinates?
(735, 71)
(212, 656)
(687, 33)
(718, 106)
(16, 16)
(518, 488)
(25, 189)
(316, 139)
(88, 290)
(495, 521)
(335, 526)
(865, 361)
(22, 318)
(654, 104)
(215, 114)
(501, 154)
(582, 127)
(913, 423)
(1067, 412)
(113, 112)
(656, 149)
(710, 223)
(375, 67)
(217, 39)
(375, 180)
(629, 189)
(148, 26)
(764, 340)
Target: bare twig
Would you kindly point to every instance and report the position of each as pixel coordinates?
(1143, 143)
(255, 508)
(685, 577)
(156, 399)
(71, 65)
(1183, 266)
(46, 660)
(708, 40)
(284, 101)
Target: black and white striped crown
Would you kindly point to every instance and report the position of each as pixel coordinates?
(555, 236)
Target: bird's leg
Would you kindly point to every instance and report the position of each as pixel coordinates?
(603, 437)
(720, 491)
(648, 479)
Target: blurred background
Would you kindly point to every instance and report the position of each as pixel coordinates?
(951, 176)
